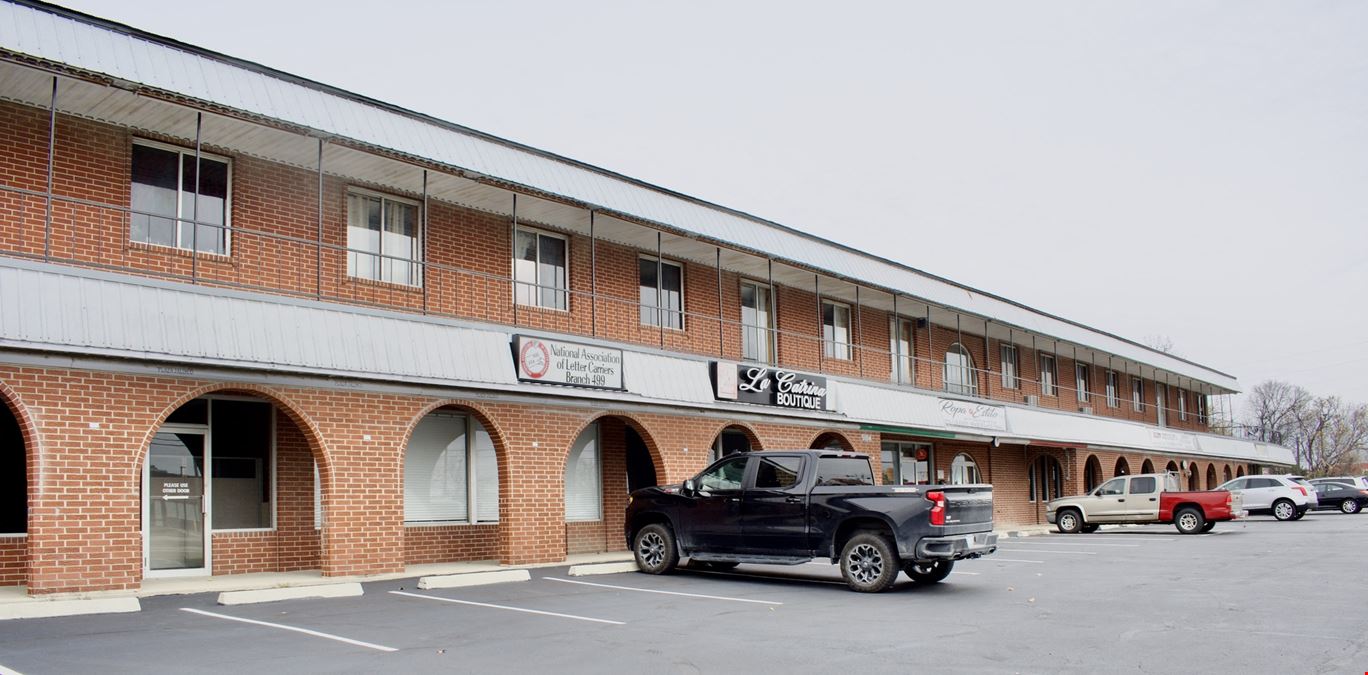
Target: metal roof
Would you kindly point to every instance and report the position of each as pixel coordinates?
(135, 58)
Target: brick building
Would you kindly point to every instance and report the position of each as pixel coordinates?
(249, 322)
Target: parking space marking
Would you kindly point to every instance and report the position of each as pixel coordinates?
(511, 609)
(1099, 535)
(1046, 550)
(1078, 543)
(9, 671)
(296, 629)
(652, 590)
(997, 559)
(972, 574)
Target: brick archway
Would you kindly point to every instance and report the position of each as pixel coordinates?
(752, 437)
(1122, 467)
(1092, 473)
(615, 459)
(486, 420)
(827, 439)
(14, 551)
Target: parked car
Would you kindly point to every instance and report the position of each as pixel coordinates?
(1282, 496)
(1144, 498)
(1342, 496)
(787, 508)
(1356, 481)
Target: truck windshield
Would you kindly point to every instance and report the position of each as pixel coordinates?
(844, 471)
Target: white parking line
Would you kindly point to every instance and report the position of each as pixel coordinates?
(997, 559)
(1045, 550)
(652, 590)
(9, 671)
(1077, 543)
(972, 574)
(282, 626)
(1100, 535)
(511, 609)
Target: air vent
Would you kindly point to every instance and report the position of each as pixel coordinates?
(1085, 409)
(1032, 399)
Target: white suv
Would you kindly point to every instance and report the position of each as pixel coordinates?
(1286, 497)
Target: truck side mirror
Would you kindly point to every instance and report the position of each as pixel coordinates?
(689, 488)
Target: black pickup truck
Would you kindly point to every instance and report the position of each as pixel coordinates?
(789, 507)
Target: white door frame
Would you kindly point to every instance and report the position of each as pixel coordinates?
(207, 501)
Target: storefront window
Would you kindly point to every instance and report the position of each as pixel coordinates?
(241, 433)
(583, 482)
(447, 455)
(964, 471)
(906, 463)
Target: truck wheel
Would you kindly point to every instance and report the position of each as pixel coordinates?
(1090, 528)
(1068, 521)
(1349, 506)
(928, 572)
(868, 563)
(1189, 521)
(1284, 509)
(1209, 526)
(655, 549)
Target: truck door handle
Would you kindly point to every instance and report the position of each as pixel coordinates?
(794, 500)
(1153, 499)
(733, 500)
(1121, 499)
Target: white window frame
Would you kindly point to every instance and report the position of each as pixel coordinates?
(472, 477)
(769, 332)
(962, 461)
(904, 368)
(536, 284)
(841, 351)
(1161, 403)
(1049, 377)
(1113, 400)
(1137, 393)
(659, 311)
(418, 263)
(968, 386)
(1182, 405)
(180, 192)
(1082, 382)
(598, 458)
(1201, 409)
(275, 496)
(1007, 356)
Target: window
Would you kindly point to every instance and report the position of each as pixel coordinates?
(1201, 409)
(960, 377)
(164, 210)
(1047, 375)
(1112, 400)
(1115, 486)
(241, 465)
(757, 340)
(1161, 402)
(777, 472)
(13, 475)
(540, 271)
(835, 330)
(1008, 355)
(661, 283)
(726, 475)
(844, 471)
(730, 442)
(583, 481)
(382, 238)
(963, 470)
(1143, 485)
(1081, 385)
(1137, 394)
(1045, 480)
(905, 463)
(447, 454)
(1182, 405)
(904, 369)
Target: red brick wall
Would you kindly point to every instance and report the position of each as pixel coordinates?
(13, 561)
(450, 543)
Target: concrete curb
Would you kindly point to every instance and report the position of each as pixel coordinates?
(473, 579)
(343, 590)
(41, 609)
(603, 568)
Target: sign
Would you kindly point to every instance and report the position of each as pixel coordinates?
(556, 362)
(976, 415)
(764, 385)
(1171, 439)
(177, 487)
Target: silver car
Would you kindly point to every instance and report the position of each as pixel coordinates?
(1360, 482)
(1286, 497)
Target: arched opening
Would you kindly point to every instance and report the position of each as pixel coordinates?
(451, 488)
(14, 498)
(1092, 473)
(733, 439)
(1045, 481)
(1147, 466)
(1239, 472)
(1226, 474)
(1193, 482)
(1122, 467)
(964, 471)
(610, 457)
(1211, 477)
(231, 485)
(959, 374)
(831, 440)
(1172, 466)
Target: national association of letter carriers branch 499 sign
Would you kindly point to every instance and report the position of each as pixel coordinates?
(556, 362)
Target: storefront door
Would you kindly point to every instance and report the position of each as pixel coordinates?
(175, 517)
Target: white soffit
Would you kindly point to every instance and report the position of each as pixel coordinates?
(112, 51)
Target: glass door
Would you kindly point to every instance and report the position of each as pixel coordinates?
(174, 517)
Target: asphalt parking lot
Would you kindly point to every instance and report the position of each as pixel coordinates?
(1256, 596)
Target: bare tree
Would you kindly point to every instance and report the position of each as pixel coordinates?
(1276, 411)
(1332, 437)
(1162, 343)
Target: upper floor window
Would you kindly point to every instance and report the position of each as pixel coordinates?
(382, 238)
(960, 377)
(662, 282)
(1182, 405)
(1048, 376)
(1137, 393)
(757, 322)
(1201, 409)
(835, 330)
(163, 205)
(1081, 385)
(1008, 354)
(1112, 395)
(900, 346)
(1161, 402)
(541, 269)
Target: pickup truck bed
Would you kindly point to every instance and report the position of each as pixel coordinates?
(789, 507)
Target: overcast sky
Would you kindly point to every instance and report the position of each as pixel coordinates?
(1192, 170)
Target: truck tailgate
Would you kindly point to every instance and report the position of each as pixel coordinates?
(968, 508)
